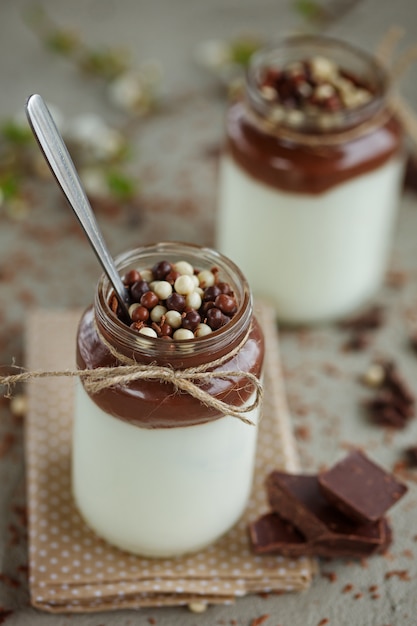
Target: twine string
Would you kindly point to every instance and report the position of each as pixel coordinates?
(187, 380)
(386, 47)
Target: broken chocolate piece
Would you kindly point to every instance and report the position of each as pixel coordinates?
(411, 454)
(272, 534)
(351, 546)
(386, 409)
(410, 176)
(339, 513)
(296, 498)
(397, 385)
(299, 499)
(394, 404)
(413, 342)
(371, 319)
(357, 342)
(360, 489)
(361, 326)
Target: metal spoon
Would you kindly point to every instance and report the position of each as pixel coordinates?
(63, 168)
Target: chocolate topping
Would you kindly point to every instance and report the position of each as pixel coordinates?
(152, 404)
(295, 168)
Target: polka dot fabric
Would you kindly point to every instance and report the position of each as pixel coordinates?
(71, 569)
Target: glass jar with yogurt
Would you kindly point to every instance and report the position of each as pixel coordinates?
(310, 178)
(157, 471)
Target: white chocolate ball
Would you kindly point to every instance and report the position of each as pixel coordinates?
(206, 279)
(193, 300)
(157, 312)
(146, 275)
(183, 267)
(184, 285)
(183, 333)
(202, 330)
(149, 332)
(162, 289)
(173, 318)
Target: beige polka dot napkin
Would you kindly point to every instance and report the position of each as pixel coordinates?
(73, 570)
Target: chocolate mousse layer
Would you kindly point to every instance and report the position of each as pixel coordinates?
(293, 167)
(150, 404)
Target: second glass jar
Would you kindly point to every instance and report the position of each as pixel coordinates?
(307, 202)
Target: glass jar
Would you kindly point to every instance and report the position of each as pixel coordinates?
(307, 202)
(155, 471)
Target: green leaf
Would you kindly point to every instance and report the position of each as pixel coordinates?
(105, 63)
(309, 9)
(241, 50)
(16, 133)
(120, 185)
(62, 41)
(10, 186)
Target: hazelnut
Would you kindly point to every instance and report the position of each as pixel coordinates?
(374, 375)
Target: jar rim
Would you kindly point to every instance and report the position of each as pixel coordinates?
(131, 341)
(319, 45)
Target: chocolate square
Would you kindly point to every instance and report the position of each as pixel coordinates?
(351, 546)
(271, 534)
(298, 499)
(359, 488)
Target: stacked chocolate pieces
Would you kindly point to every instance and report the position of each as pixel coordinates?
(338, 513)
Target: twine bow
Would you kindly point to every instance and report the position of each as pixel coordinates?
(187, 380)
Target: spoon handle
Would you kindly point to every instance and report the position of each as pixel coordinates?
(63, 168)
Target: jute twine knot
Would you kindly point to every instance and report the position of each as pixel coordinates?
(187, 380)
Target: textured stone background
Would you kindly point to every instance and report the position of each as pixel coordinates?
(45, 261)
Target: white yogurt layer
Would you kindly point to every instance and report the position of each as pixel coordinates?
(160, 492)
(313, 256)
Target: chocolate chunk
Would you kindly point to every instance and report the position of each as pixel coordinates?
(339, 513)
(371, 319)
(359, 488)
(272, 534)
(298, 498)
(394, 404)
(413, 342)
(357, 342)
(385, 409)
(355, 547)
(411, 454)
(397, 385)
(410, 176)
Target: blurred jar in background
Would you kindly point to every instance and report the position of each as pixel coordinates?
(310, 178)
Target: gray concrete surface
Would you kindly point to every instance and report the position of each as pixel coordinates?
(175, 158)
